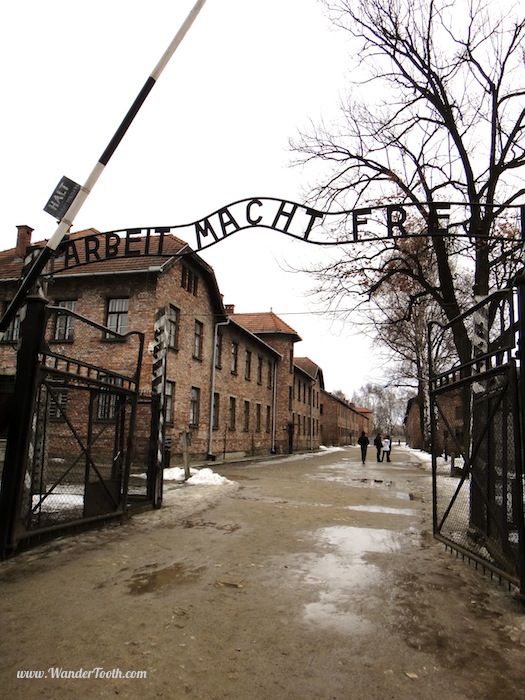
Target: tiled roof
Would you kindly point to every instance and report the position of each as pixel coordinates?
(264, 323)
(10, 267)
(84, 241)
(307, 366)
(81, 242)
(311, 368)
(89, 253)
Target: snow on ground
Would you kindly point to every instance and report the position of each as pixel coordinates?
(200, 477)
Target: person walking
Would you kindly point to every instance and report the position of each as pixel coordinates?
(387, 447)
(378, 442)
(363, 443)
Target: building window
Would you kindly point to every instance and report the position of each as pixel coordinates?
(64, 323)
(231, 414)
(218, 351)
(269, 378)
(117, 316)
(173, 322)
(268, 419)
(258, 418)
(291, 360)
(248, 366)
(234, 358)
(107, 399)
(57, 403)
(290, 398)
(189, 280)
(216, 406)
(195, 405)
(169, 401)
(246, 425)
(259, 369)
(12, 332)
(197, 340)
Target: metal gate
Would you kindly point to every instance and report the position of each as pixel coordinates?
(476, 425)
(70, 453)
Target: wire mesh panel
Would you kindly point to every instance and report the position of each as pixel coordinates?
(478, 495)
(80, 442)
(76, 467)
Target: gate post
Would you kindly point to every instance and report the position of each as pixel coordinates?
(520, 284)
(20, 426)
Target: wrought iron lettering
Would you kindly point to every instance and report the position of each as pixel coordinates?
(367, 224)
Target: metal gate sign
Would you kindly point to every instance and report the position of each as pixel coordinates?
(62, 198)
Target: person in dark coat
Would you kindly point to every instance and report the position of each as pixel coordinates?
(378, 442)
(363, 443)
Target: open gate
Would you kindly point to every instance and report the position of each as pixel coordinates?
(71, 452)
(476, 419)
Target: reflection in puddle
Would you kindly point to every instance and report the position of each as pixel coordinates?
(344, 576)
(150, 581)
(357, 541)
(326, 614)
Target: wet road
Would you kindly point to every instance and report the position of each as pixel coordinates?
(311, 577)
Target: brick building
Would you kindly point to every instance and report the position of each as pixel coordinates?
(449, 427)
(342, 422)
(232, 379)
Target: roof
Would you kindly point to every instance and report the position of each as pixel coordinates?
(91, 252)
(265, 322)
(78, 253)
(81, 248)
(259, 340)
(310, 368)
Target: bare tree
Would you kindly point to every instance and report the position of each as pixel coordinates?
(437, 116)
(387, 404)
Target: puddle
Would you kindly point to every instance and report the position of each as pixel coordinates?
(326, 614)
(151, 581)
(344, 576)
(358, 541)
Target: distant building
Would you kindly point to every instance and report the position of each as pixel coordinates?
(341, 421)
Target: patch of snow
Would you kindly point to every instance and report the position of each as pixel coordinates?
(207, 477)
(204, 476)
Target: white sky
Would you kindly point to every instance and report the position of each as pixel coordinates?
(215, 129)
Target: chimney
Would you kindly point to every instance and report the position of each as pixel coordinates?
(230, 309)
(23, 241)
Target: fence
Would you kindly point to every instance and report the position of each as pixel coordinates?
(476, 418)
(73, 448)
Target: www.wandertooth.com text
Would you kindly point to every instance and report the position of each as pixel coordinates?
(98, 672)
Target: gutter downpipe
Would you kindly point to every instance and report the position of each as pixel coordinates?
(210, 454)
(274, 400)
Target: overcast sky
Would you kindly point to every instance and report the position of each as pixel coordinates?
(215, 129)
